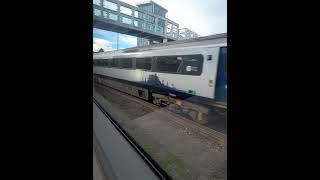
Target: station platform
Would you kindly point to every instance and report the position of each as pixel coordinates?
(116, 156)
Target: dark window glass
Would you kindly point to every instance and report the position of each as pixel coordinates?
(224, 52)
(99, 63)
(192, 64)
(143, 63)
(184, 64)
(114, 63)
(105, 62)
(102, 62)
(169, 64)
(125, 63)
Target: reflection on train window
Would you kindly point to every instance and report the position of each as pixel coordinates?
(105, 62)
(101, 63)
(125, 63)
(167, 64)
(143, 63)
(185, 64)
(192, 65)
(98, 62)
(114, 63)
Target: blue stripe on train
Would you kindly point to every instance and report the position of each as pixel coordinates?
(221, 84)
(153, 85)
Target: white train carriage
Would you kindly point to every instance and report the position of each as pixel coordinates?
(173, 70)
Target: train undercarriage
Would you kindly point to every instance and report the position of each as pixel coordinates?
(196, 112)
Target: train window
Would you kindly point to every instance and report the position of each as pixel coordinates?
(169, 64)
(185, 64)
(98, 62)
(143, 63)
(125, 63)
(192, 64)
(114, 63)
(105, 62)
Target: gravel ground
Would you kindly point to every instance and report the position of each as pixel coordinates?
(182, 153)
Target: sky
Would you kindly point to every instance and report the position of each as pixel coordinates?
(107, 40)
(205, 17)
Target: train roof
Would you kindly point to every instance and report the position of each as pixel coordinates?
(212, 39)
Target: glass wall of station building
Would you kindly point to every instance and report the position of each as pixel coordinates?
(154, 8)
(186, 33)
(157, 10)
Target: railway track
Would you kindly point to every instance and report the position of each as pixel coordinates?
(170, 116)
(220, 105)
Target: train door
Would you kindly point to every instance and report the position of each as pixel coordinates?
(221, 81)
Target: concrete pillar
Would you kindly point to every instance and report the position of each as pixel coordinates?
(118, 11)
(155, 24)
(165, 40)
(132, 17)
(165, 27)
